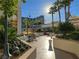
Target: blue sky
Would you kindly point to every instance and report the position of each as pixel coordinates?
(35, 8)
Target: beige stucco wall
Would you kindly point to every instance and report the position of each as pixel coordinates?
(75, 21)
(30, 54)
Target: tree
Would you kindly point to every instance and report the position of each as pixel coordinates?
(58, 7)
(66, 3)
(66, 28)
(69, 2)
(52, 11)
(9, 8)
(27, 23)
(11, 34)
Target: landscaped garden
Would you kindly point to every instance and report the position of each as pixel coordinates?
(68, 31)
(16, 47)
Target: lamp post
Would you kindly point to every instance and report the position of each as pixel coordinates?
(6, 44)
(27, 26)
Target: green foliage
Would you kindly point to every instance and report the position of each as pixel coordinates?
(1, 38)
(60, 4)
(56, 30)
(74, 35)
(11, 34)
(23, 1)
(9, 6)
(66, 2)
(1, 33)
(66, 28)
(1, 27)
(29, 22)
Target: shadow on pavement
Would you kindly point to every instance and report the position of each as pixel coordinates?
(61, 54)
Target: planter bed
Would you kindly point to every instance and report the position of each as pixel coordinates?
(18, 50)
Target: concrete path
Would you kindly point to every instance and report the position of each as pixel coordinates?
(44, 47)
(45, 50)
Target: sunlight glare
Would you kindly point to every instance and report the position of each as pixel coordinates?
(47, 8)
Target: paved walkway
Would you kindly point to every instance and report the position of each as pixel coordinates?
(45, 48)
(1, 52)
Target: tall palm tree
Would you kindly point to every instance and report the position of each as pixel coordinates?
(52, 11)
(66, 3)
(69, 2)
(58, 7)
(68, 7)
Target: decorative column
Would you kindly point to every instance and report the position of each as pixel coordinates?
(19, 23)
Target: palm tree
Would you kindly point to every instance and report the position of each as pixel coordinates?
(69, 2)
(66, 3)
(52, 11)
(58, 7)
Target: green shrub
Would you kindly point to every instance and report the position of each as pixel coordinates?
(1, 39)
(74, 35)
(66, 28)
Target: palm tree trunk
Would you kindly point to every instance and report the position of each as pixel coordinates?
(59, 17)
(52, 23)
(59, 13)
(65, 13)
(69, 9)
(6, 45)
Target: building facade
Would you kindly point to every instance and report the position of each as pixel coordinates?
(75, 21)
(33, 23)
(48, 27)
